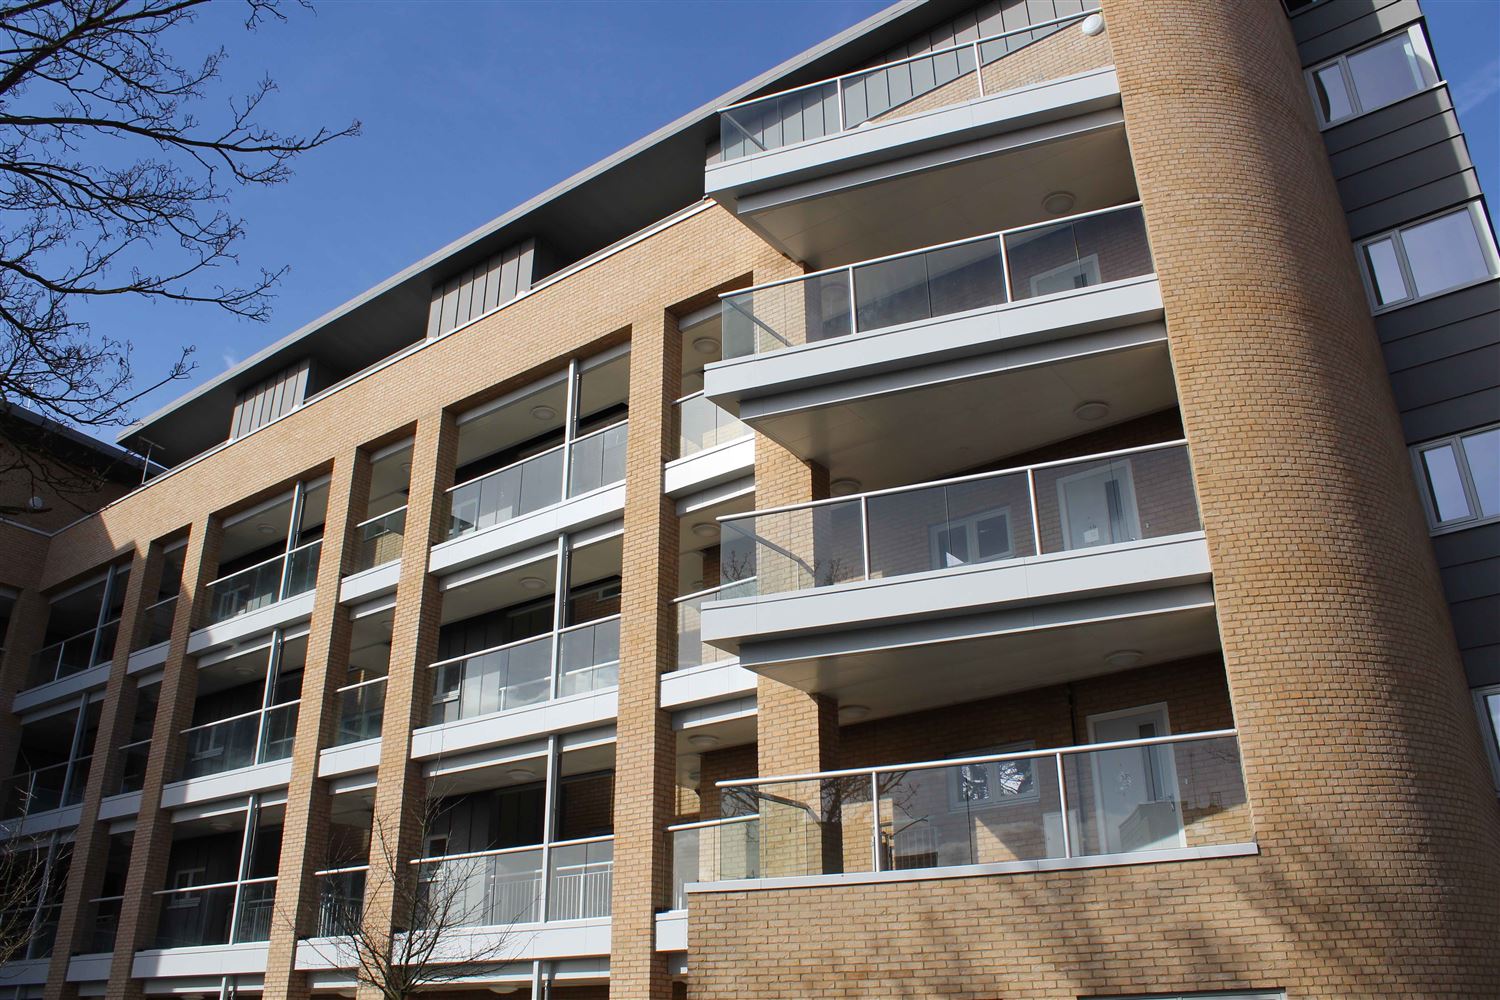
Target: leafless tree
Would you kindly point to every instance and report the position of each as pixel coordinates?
(434, 908)
(32, 876)
(112, 186)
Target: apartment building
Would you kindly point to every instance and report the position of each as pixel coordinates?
(1002, 505)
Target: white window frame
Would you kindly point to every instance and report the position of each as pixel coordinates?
(1088, 266)
(1487, 731)
(957, 804)
(1486, 246)
(1466, 477)
(1419, 46)
(970, 525)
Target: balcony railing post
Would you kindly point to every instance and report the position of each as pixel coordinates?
(853, 312)
(298, 496)
(1004, 270)
(1036, 521)
(978, 67)
(864, 525)
(875, 821)
(1062, 806)
(839, 83)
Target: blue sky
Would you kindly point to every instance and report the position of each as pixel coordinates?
(470, 108)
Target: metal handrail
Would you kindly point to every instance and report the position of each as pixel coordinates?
(359, 684)
(265, 562)
(166, 600)
(88, 631)
(265, 710)
(377, 517)
(511, 850)
(602, 430)
(926, 765)
(591, 622)
(513, 465)
(343, 871)
(704, 592)
(695, 395)
(261, 880)
(924, 55)
(997, 234)
(973, 477)
(722, 821)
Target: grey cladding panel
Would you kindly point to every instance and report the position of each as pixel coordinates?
(1404, 173)
(269, 399)
(1387, 119)
(1442, 342)
(1444, 310)
(1470, 565)
(483, 287)
(1410, 138)
(1447, 378)
(1451, 415)
(1322, 18)
(1404, 206)
(1353, 34)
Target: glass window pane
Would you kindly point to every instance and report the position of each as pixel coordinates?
(1444, 484)
(1482, 451)
(1385, 272)
(1444, 253)
(1333, 96)
(1492, 702)
(1386, 72)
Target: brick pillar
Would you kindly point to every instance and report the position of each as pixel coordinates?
(91, 843)
(304, 838)
(1361, 756)
(645, 747)
(401, 788)
(28, 627)
(152, 845)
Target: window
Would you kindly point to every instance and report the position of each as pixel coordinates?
(1428, 258)
(1460, 478)
(1077, 274)
(977, 538)
(1487, 701)
(1379, 74)
(997, 783)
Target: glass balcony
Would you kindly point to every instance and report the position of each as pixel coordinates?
(380, 540)
(936, 79)
(703, 425)
(133, 774)
(159, 622)
(1052, 258)
(484, 889)
(42, 936)
(993, 517)
(73, 655)
(589, 657)
(692, 651)
(506, 677)
(582, 879)
(1126, 798)
(598, 460)
(101, 934)
(341, 900)
(226, 913)
(242, 741)
(45, 788)
(713, 850)
(361, 711)
(264, 584)
(506, 494)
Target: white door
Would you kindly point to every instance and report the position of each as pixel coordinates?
(1098, 506)
(1135, 788)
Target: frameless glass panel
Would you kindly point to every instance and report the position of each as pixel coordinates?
(810, 827)
(380, 540)
(1333, 94)
(1109, 501)
(500, 679)
(692, 651)
(786, 315)
(970, 814)
(245, 591)
(507, 494)
(279, 734)
(768, 124)
(1070, 255)
(302, 573)
(1482, 452)
(1385, 271)
(582, 877)
(159, 622)
(133, 772)
(361, 712)
(1445, 484)
(222, 746)
(935, 283)
(195, 917)
(702, 425)
(943, 527)
(257, 903)
(793, 549)
(589, 658)
(598, 460)
(1387, 71)
(1444, 253)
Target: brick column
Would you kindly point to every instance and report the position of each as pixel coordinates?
(645, 746)
(1362, 763)
(91, 841)
(304, 837)
(401, 789)
(28, 627)
(152, 845)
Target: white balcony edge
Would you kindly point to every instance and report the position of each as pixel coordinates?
(227, 784)
(575, 712)
(591, 508)
(252, 623)
(203, 960)
(63, 687)
(672, 930)
(373, 582)
(350, 758)
(148, 657)
(710, 467)
(707, 682)
(1179, 854)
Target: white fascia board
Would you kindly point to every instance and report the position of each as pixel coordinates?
(351, 758)
(64, 687)
(602, 504)
(145, 659)
(723, 463)
(206, 960)
(227, 785)
(253, 623)
(671, 930)
(569, 714)
(117, 806)
(710, 682)
(373, 582)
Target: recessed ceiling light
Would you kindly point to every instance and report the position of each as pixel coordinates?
(543, 412)
(853, 713)
(844, 487)
(1124, 658)
(706, 529)
(532, 583)
(703, 741)
(520, 774)
(264, 528)
(1092, 410)
(1058, 203)
(706, 345)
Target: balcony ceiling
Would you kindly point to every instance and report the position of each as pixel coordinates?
(967, 198)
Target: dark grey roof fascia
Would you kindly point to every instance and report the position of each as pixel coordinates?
(806, 67)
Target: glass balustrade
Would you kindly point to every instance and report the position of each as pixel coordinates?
(45, 788)
(159, 622)
(217, 914)
(589, 657)
(932, 80)
(1051, 258)
(106, 922)
(73, 655)
(265, 583)
(133, 770)
(506, 494)
(692, 651)
(494, 680)
(380, 540)
(598, 460)
(361, 711)
(254, 738)
(713, 850)
(1131, 797)
(992, 517)
(341, 901)
(582, 878)
(703, 425)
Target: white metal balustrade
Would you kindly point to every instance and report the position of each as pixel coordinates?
(711, 850)
(266, 583)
